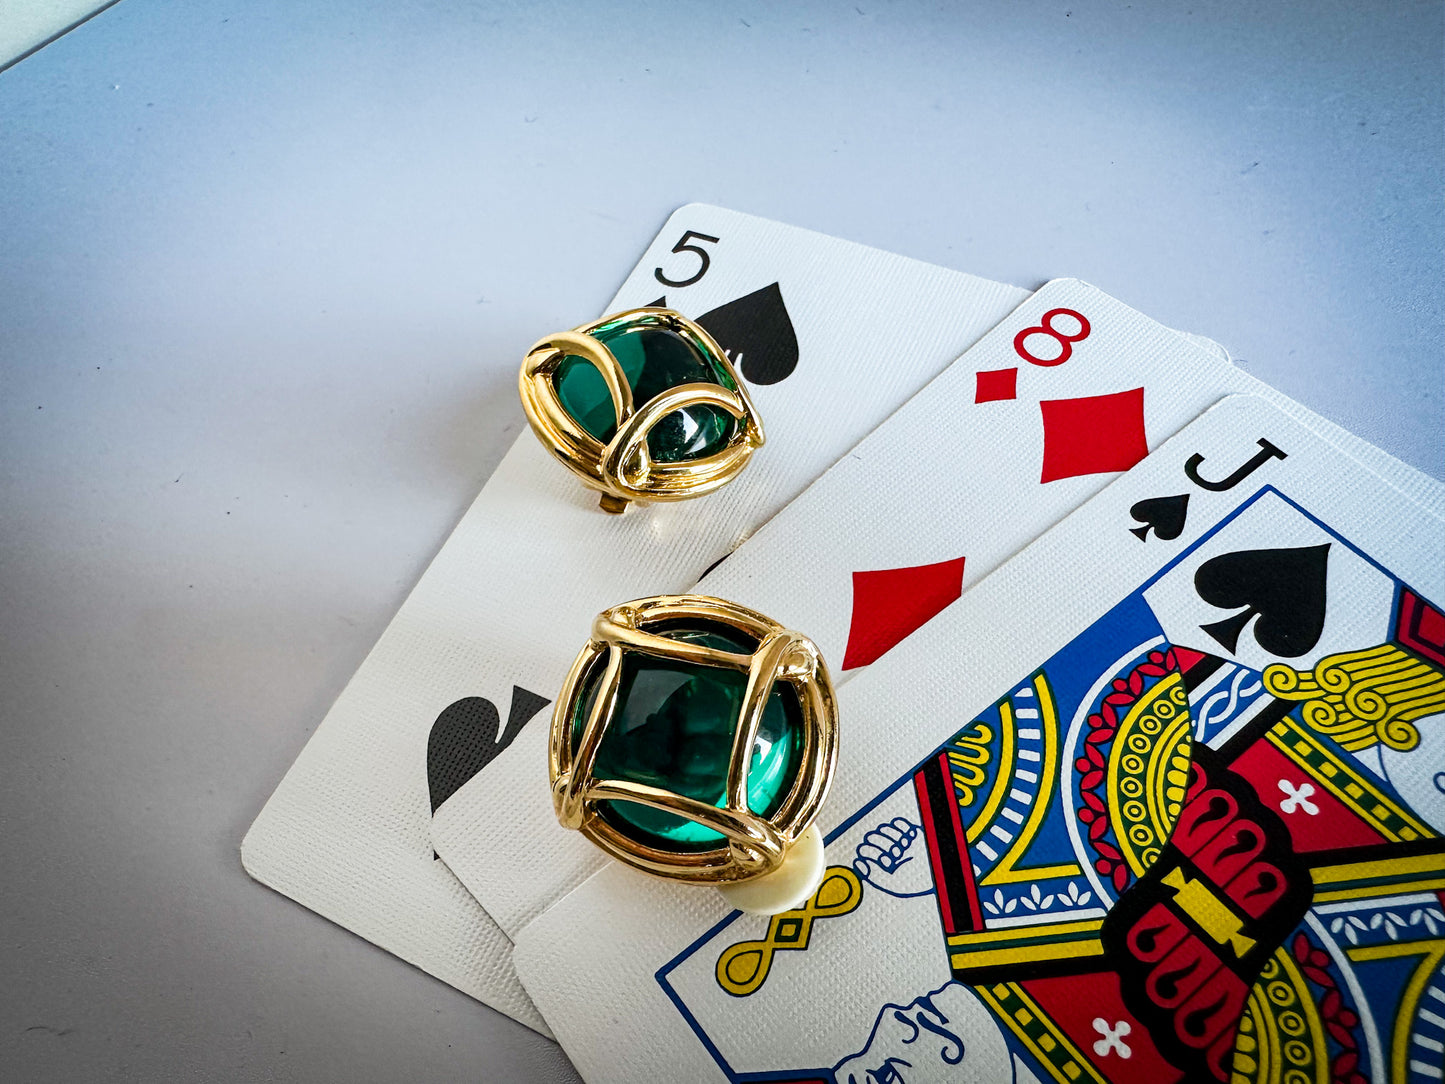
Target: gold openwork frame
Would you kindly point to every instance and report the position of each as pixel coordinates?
(622, 470)
(755, 845)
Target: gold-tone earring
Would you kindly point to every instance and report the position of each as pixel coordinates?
(641, 405)
(696, 739)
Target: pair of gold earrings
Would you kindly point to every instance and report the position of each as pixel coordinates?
(693, 739)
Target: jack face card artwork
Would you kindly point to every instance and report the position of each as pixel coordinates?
(1155, 809)
(1071, 388)
(483, 641)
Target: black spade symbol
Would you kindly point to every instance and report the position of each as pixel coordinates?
(464, 739)
(756, 333)
(660, 303)
(1166, 515)
(709, 570)
(1285, 588)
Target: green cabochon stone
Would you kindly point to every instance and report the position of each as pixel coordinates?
(654, 360)
(673, 729)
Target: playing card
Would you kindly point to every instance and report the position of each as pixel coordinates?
(889, 544)
(1071, 388)
(485, 637)
(1207, 344)
(1064, 846)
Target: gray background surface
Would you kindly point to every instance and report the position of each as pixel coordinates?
(267, 270)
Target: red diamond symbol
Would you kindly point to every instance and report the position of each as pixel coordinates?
(1092, 435)
(995, 384)
(892, 603)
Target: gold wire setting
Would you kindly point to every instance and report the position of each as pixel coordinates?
(755, 845)
(622, 469)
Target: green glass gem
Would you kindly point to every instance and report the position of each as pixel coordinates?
(673, 729)
(654, 360)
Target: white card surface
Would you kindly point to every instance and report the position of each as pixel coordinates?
(1068, 390)
(643, 980)
(486, 635)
